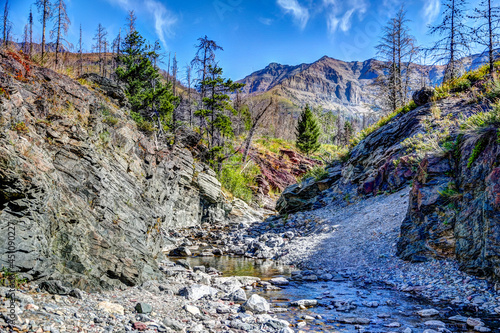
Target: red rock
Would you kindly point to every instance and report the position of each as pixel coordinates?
(139, 326)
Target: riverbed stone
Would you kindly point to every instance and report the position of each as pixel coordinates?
(195, 311)
(355, 320)
(238, 295)
(196, 291)
(304, 302)
(279, 281)
(111, 308)
(427, 312)
(473, 322)
(256, 304)
(143, 307)
(437, 323)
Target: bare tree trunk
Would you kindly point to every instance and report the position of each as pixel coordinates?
(6, 24)
(44, 22)
(30, 19)
(490, 30)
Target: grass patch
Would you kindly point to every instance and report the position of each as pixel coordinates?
(143, 124)
(10, 279)
(110, 120)
(237, 178)
(317, 172)
(479, 147)
(20, 127)
(274, 145)
(381, 122)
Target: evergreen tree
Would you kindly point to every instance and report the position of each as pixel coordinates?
(307, 132)
(216, 112)
(149, 97)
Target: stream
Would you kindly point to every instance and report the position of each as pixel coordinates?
(388, 310)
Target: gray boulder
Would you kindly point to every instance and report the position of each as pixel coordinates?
(54, 287)
(196, 291)
(423, 96)
(256, 304)
(107, 87)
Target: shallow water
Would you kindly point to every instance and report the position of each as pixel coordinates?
(400, 306)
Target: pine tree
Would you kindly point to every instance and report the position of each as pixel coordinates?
(61, 26)
(205, 57)
(216, 112)
(486, 34)
(307, 132)
(149, 97)
(455, 40)
(44, 6)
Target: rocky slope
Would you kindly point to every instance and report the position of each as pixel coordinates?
(453, 209)
(84, 196)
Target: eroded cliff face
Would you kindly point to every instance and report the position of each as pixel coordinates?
(87, 193)
(454, 208)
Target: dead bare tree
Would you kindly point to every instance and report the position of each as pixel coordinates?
(44, 7)
(131, 18)
(486, 34)
(116, 48)
(189, 101)
(80, 55)
(30, 22)
(26, 39)
(175, 68)
(455, 40)
(398, 49)
(257, 112)
(61, 26)
(6, 23)
(100, 39)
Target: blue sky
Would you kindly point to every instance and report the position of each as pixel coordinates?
(253, 33)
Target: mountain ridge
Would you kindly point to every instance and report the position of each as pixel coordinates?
(341, 86)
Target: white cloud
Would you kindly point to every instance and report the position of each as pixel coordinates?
(300, 14)
(164, 19)
(265, 21)
(431, 10)
(341, 13)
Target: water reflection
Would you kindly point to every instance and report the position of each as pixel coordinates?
(393, 306)
(240, 266)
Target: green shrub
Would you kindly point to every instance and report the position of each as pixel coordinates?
(381, 122)
(482, 119)
(20, 127)
(236, 178)
(478, 149)
(110, 120)
(493, 90)
(318, 172)
(10, 279)
(143, 124)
